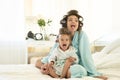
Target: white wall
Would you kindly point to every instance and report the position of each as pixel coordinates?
(103, 20)
(116, 16)
(13, 48)
(100, 19)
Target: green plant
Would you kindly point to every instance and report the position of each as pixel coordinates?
(41, 22)
(49, 21)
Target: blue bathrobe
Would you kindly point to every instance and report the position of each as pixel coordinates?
(86, 65)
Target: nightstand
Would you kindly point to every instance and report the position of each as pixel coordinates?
(38, 48)
(97, 46)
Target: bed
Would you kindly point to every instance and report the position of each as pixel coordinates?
(107, 62)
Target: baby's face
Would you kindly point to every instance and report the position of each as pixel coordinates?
(64, 41)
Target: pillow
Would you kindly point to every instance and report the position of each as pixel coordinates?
(109, 61)
(116, 50)
(111, 46)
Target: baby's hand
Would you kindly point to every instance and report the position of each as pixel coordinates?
(72, 59)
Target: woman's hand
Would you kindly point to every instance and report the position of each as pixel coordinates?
(102, 77)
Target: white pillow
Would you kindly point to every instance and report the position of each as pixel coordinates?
(115, 50)
(111, 46)
(110, 61)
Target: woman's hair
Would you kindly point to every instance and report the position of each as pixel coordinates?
(72, 12)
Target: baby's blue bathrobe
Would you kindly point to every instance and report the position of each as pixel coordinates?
(86, 65)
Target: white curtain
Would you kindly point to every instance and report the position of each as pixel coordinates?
(12, 36)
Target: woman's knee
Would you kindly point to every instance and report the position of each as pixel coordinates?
(38, 63)
(77, 71)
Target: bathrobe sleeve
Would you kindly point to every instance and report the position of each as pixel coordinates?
(85, 55)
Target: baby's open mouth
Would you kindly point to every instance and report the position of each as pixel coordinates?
(64, 44)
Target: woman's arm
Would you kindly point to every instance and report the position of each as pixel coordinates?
(86, 56)
(44, 60)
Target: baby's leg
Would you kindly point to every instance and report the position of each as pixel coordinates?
(65, 69)
(68, 75)
(52, 73)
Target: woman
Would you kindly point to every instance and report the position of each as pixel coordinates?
(74, 22)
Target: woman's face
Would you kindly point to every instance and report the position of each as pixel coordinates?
(72, 23)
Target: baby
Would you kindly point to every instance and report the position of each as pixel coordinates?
(61, 53)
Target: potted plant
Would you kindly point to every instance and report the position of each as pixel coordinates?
(42, 23)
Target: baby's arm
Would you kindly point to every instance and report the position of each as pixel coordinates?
(74, 56)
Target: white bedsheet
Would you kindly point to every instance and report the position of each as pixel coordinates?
(28, 72)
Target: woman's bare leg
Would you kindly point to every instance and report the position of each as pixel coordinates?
(38, 63)
(102, 77)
